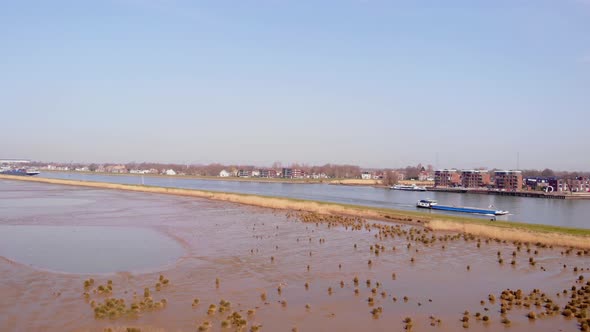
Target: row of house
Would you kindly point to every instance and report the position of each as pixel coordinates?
(366, 175)
(118, 169)
(286, 173)
(262, 173)
(554, 184)
(503, 180)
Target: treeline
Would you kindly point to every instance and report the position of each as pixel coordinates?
(547, 172)
(330, 170)
(213, 169)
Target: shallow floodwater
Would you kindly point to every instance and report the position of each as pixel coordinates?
(87, 249)
(253, 251)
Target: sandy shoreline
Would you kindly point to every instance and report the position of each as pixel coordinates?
(509, 231)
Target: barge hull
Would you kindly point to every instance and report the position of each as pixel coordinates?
(463, 209)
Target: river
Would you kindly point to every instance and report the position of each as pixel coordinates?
(568, 213)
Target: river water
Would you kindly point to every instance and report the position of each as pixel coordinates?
(569, 213)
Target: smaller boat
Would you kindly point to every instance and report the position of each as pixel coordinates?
(408, 188)
(432, 204)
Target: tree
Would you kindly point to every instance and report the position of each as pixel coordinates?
(277, 166)
(390, 177)
(412, 172)
(547, 172)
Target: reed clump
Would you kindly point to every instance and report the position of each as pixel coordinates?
(376, 312)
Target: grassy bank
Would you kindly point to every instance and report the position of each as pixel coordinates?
(511, 231)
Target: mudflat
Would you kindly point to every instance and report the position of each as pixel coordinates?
(274, 270)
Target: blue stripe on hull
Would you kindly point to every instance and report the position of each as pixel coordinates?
(462, 209)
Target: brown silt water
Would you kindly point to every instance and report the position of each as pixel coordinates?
(79, 259)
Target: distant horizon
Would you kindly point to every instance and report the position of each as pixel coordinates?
(289, 164)
(371, 83)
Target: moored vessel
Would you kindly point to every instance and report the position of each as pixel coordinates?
(18, 171)
(412, 187)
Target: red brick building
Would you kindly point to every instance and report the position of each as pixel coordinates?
(447, 178)
(577, 184)
(508, 180)
(475, 178)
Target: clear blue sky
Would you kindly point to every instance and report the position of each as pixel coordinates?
(373, 83)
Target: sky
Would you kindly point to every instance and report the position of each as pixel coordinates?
(372, 83)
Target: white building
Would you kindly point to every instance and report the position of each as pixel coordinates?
(139, 171)
(366, 175)
(224, 173)
(14, 161)
(170, 172)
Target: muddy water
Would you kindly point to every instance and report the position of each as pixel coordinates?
(87, 249)
(236, 244)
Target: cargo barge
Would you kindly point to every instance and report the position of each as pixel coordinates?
(432, 204)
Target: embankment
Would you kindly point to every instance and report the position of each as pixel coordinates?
(510, 231)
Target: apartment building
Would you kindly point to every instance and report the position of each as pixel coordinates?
(292, 173)
(447, 178)
(475, 178)
(508, 180)
(267, 173)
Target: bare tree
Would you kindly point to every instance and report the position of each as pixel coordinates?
(547, 172)
(390, 177)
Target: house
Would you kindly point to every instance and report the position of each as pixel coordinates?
(170, 172)
(255, 173)
(576, 184)
(244, 173)
(224, 174)
(579, 184)
(366, 175)
(287, 173)
(425, 176)
(292, 173)
(378, 176)
(139, 171)
(116, 169)
(267, 173)
(539, 182)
